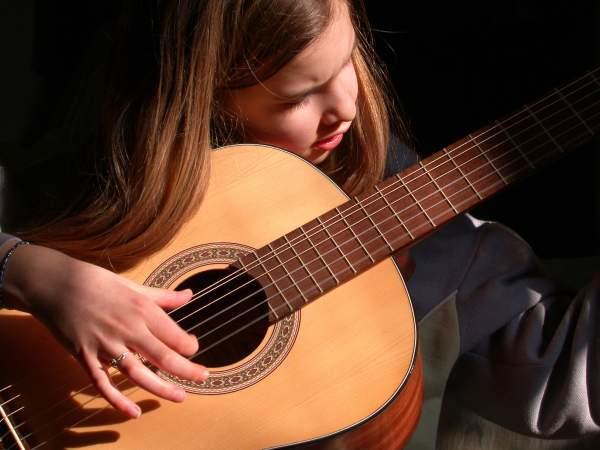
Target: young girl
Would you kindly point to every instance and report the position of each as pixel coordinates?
(185, 77)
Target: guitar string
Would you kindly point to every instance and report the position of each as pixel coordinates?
(48, 409)
(454, 169)
(397, 186)
(78, 408)
(427, 168)
(237, 331)
(74, 409)
(338, 246)
(288, 245)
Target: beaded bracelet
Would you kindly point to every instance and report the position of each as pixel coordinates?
(3, 266)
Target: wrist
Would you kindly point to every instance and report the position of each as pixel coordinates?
(11, 289)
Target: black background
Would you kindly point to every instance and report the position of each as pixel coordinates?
(456, 67)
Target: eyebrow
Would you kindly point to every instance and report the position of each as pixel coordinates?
(304, 93)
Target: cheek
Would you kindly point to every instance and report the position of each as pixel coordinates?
(294, 130)
(351, 80)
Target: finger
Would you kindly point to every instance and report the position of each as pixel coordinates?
(164, 298)
(168, 360)
(171, 299)
(141, 375)
(102, 382)
(168, 331)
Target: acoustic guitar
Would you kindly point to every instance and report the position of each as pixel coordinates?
(273, 235)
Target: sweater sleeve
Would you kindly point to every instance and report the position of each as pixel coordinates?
(530, 351)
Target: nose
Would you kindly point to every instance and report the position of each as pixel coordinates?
(341, 106)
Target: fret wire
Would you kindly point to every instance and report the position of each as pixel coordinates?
(344, 255)
(594, 77)
(394, 211)
(485, 155)
(274, 283)
(301, 263)
(513, 161)
(544, 128)
(354, 234)
(268, 303)
(320, 256)
(514, 115)
(514, 144)
(337, 247)
(281, 264)
(447, 153)
(491, 186)
(437, 186)
(570, 106)
(487, 188)
(413, 217)
(520, 168)
(255, 320)
(329, 234)
(359, 203)
(414, 198)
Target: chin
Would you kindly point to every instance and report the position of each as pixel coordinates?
(321, 158)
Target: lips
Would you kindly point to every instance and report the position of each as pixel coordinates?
(329, 143)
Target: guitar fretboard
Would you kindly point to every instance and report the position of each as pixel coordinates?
(313, 259)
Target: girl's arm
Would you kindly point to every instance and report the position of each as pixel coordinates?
(98, 315)
(530, 349)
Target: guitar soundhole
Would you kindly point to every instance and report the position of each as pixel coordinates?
(228, 314)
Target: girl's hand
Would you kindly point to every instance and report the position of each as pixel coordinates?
(99, 315)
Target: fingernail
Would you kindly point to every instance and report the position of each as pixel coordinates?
(134, 411)
(179, 395)
(201, 374)
(204, 374)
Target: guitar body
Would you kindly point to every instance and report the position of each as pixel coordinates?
(342, 372)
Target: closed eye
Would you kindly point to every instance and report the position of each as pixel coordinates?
(297, 103)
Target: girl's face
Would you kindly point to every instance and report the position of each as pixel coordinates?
(310, 103)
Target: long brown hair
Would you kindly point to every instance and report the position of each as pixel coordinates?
(162, 115)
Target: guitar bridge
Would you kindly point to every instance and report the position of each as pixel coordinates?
(14, 433)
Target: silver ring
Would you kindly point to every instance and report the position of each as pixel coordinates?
(118, 359)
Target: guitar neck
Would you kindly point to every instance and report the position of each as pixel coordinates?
(406, 207)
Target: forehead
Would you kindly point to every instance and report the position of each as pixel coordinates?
(322, 59)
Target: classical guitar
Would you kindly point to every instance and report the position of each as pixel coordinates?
(341, 372)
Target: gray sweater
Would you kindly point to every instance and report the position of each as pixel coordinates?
(498, 335)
